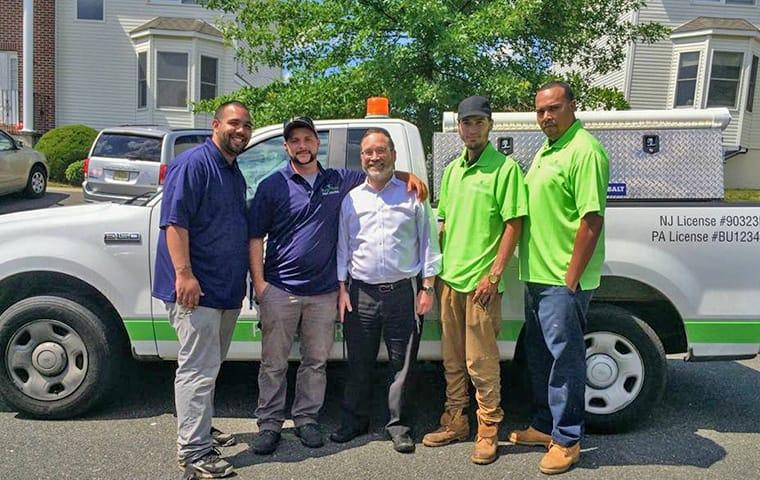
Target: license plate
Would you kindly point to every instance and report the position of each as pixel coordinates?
(121, 175)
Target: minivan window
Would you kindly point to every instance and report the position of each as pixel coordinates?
(186, 142)
(259, 161)
(135, 147)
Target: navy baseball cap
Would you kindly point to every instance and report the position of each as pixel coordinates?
(298, 122)
(474, 107)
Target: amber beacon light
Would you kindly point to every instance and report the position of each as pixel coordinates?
(377, 107)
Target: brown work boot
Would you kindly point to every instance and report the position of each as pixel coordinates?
(454, 427)
(486, 443)
(530, 437)
(559, 459)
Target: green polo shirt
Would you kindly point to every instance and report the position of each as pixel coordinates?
(567, 180)
(474, 202)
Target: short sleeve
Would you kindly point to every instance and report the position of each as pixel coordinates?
(182, 193)
(590, 176)
(511, 191)
(443, 195)
(260, 210)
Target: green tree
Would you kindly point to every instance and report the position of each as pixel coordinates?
(425, 55)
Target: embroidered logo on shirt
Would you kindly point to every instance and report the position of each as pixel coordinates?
(330, 190)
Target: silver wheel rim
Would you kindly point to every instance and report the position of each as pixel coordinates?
(47, 360)
(614, 372)
(38, 182)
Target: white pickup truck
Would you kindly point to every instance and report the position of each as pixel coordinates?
(679, 277)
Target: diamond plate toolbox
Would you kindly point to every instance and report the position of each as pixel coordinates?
(684, 163)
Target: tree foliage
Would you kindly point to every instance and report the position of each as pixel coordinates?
(425, 55)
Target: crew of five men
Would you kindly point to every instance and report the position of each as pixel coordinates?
(367, 242)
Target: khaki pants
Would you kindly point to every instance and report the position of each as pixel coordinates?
(469, 349)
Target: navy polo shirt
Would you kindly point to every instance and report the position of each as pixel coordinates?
(302, 227)
(206, 195)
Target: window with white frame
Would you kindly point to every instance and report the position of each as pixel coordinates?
(209, 77)
(171, 80)
(90, 9)
(142, 79)
(686, 81)
(725, 72)
(9, 88)
(752, 84)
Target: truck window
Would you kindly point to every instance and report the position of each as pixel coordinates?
(268, 156)
(353, 148)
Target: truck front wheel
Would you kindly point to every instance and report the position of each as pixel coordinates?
(626, 369)
(57, 357)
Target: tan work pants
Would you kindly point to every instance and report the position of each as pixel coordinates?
(469, 349)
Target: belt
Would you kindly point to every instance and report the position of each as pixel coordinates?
(383, 287)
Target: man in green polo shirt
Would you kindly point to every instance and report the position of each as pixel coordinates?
(561, 257)
(481, 205)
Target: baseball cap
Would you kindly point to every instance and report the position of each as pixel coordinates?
(298, 122)
(474, 106)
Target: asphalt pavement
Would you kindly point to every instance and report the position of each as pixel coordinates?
(707, 427)
(54, 197)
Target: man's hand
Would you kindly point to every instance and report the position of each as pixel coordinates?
(188, 289)
(259, 287)
(344, 302)
(424, 302)
(413, 182)
(485, 292)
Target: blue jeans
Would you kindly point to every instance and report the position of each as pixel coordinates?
(555, 319)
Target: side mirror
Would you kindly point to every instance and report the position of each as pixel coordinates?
(19, 144)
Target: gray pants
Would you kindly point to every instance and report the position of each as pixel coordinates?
(282, 317)
(204, 338)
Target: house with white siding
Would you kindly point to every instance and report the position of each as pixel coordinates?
(709, 60)
(142, 62)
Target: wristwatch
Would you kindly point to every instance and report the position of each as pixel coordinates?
(493, 279)
(429, 289)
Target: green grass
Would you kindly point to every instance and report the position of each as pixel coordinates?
(62, 185)
(741, 195)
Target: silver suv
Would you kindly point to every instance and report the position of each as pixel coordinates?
(131, 160)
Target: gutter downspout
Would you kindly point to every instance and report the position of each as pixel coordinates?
(28, 71)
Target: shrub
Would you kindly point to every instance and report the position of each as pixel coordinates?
(74, 173)
(65, 145)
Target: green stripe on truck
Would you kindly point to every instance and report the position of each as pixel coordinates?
(141, 329)
(722, 331)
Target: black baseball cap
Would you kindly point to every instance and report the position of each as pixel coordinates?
(298, 122)
(474, 107)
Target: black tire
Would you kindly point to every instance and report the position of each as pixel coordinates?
(36, 184)
(95, 368)
(644, 389)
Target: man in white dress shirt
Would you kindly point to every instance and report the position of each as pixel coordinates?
(387, 242)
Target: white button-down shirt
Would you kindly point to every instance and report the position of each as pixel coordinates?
(386, 236)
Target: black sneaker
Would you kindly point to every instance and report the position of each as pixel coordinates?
(346, 434)
(310, 435)
(265, 442)
(222, 439)
(210, 465)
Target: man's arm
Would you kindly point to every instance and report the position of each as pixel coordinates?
(186, 285)
(413, 182)
(429, 253)
(343, 258)
(256, 260)
(586, 238)
(485, 289)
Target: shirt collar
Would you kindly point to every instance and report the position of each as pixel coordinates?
(216, 154)
(393, 182)
(562, 141)
(483, 158)
(290, 172)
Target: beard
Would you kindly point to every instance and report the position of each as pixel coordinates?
(226, 141)
(312, 158)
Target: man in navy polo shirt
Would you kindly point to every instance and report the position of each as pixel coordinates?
(297, 209)
(201, 268)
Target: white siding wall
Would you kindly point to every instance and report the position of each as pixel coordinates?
(96, 64)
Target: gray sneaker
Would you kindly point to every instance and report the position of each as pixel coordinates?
(210, 465)
(222, 439)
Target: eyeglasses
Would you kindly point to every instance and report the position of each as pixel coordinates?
(381, 151)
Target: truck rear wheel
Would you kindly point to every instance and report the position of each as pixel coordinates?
(57, 358)
(626, 369)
